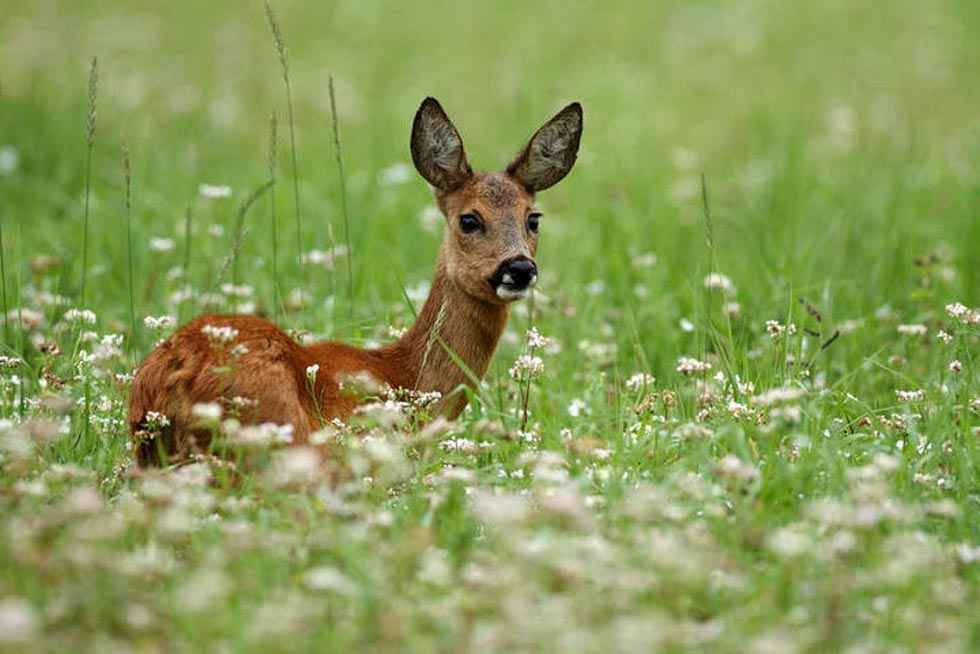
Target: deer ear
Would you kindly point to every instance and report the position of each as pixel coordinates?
(437, 148)
(551, 152)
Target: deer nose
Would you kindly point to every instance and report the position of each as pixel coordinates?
(518, 273)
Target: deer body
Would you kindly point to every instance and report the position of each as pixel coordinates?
(485, 262)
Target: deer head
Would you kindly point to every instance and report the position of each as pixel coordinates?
(491, 220)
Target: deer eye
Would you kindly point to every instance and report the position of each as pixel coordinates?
(532, 222)
(470, 222)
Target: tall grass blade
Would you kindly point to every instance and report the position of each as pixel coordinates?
(93, 95)
(188, 217)
(273, 156)
(128, 174)
(280, 44)
(232, 260)
(713, 334)
(343, 198)
(3, 284)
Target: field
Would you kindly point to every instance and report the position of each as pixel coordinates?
(757, 426)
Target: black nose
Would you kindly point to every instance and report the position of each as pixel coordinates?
(517, 273)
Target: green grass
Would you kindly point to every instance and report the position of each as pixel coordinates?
(840, 146)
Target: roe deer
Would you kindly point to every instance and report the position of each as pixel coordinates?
(486, 261)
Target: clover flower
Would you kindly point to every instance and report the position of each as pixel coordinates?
(527, 364)
(219, 335)
(212, 192)
(160, 322)
(719, 282)
(640, 381)
(912, 330)
(691, 366)
(80, 316)
(775, 329)
(536, 341)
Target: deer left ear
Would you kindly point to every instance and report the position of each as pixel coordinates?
(551, 152)
(437, 148)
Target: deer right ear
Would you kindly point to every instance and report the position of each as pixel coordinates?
(437, 148)
(551, 152)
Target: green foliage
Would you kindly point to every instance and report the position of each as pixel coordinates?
(756, 425)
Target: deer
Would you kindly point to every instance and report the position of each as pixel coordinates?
(485, 263)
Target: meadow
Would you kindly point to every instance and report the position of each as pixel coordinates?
(753, 419)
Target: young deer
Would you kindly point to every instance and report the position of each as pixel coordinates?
(486, 261)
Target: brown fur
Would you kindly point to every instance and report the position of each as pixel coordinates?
(187, 369)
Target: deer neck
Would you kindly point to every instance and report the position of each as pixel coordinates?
(452, 341)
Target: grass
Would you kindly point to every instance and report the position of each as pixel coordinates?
(786, 193)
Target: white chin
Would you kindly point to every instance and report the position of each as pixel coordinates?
(510, 294)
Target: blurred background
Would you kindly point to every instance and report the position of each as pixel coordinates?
(839, 141)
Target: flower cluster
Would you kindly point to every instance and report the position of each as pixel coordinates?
(80, 316)
(527, 365)
(159, 323)
(219, 335)
(776, 329)
(691, 366)
(963, 314)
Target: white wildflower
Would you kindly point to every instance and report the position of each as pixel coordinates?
(232, 290)
(733, 467)
(778, 396)
(325, 258)
(155, 421)
(577, 407)
(640, 381)
(159, 322)
(418, 292)
(957, 310)
(264, 435)
(737, 410)
(80, 316)
(212, 192)
(536, 341)
(295, 466)
(645, 260)
(910, 396)
(462, 445)
(18, 622)
(912, 330)
(207, 411)
(527, 364)
(955, 365)
(158, 244)
(329, 578)
(430, 217)
(944, 337)
(967, 553)
(219, 334)
(776, 329)
(790, 541)
(719, 282)
(395, 174)
(311, 372)
(9, 362)
(964, 314)
(691, 366)
(9, 159)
